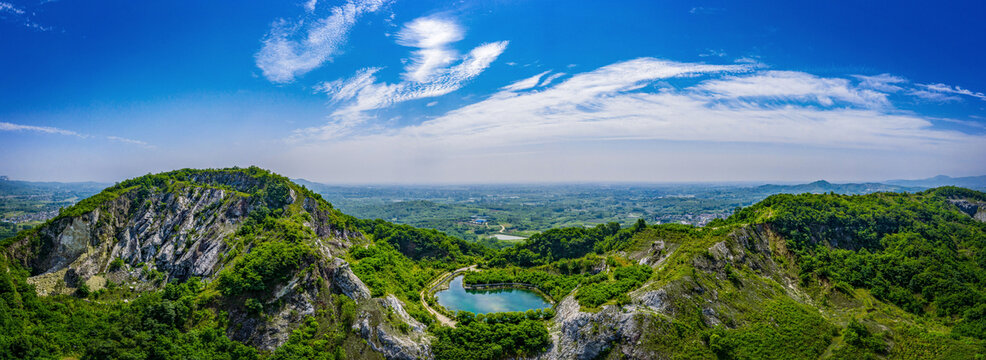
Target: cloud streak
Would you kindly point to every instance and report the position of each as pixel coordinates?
(6, 126)
(526, 83)
(942, 91)
(293, 48)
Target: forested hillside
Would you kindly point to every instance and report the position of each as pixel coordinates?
(242, 264)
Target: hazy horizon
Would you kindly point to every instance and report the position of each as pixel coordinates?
(534, 183)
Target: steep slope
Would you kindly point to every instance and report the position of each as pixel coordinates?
(265, 259)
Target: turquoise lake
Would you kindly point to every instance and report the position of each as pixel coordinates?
(457, 298)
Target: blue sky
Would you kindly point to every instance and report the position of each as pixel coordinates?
(379, 91)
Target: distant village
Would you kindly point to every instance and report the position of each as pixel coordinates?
(29, 217)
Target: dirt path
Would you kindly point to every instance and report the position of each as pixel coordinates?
(502, 228)
(442, 319)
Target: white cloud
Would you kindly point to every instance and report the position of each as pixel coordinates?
(432, 36)
(310, 5)
(429, 32)
(341, 90)
(293, 48)
(933, 95)
(883, 82)
(791, 85)
(429, 75)
(525, 83)
(713, 52)
(6, 126)
(557, 130)
(551, 78)
(946, 89)
(130, 141)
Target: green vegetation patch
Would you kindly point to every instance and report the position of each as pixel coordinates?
(916, 251)
(598, 289)
(386, 271)
(265, 265)
(492, 336)
(784, 329)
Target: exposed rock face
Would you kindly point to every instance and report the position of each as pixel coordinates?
(379, 322)
(656, 300)
(624, 330)
(347, 282)
(298, 297)
(180, 234)
(975, 209)
(391, 302)
(584, 335)
(71, 242)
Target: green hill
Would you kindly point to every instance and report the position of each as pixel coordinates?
(243, 263)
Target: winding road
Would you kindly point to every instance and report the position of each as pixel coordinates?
(442, 319)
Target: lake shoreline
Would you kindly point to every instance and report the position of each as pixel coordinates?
(491, 298)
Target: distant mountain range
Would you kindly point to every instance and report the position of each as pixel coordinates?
(822, 186)
(971, 182)
(19, 187)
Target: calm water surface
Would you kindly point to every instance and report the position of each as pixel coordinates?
(457, 298)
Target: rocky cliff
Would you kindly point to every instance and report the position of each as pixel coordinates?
(147, 232)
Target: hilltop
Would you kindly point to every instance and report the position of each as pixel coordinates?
(214, 247)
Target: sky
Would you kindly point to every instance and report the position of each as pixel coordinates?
(511, 91)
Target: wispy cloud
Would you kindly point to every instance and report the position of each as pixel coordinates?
(16, 14)
(130, 141)
(611, 103)
(883, 82)
(6, 7)
(310, 5)
(942, 91)
(713, 52)
(293, 48)
(551, 78)
(792, 85)
(434, 70)
(525, 83)
(6, 126)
